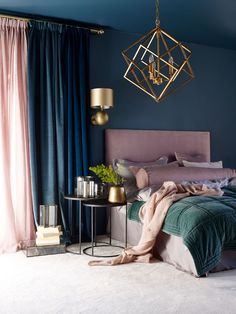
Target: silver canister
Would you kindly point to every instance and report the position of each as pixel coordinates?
(48, 215)
(102, 189)
(52, 215)
(96, 189)
(80, 188)
(79, 185)
(85, 189)
(91, 188)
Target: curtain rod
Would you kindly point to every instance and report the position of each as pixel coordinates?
(92, 30)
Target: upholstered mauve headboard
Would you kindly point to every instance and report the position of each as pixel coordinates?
(148, 145)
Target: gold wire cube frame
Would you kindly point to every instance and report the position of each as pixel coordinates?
(153, 66)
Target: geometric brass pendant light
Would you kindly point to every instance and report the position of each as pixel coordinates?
(158, 64)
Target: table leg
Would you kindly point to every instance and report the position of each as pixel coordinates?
(70, 204)
(92, 228)
(110, 226)
(126, 221)
(95, 226)
(80, 227)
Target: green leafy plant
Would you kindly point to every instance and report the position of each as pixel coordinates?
(107, 174)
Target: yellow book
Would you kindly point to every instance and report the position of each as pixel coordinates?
(49, 229)
(45, 235)
(42, 242)
(49, 237)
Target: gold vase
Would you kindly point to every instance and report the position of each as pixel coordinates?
(117, 194)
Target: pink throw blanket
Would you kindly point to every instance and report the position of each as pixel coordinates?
(153, 214)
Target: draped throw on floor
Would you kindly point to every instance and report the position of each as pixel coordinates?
(153, 214)
(16, 216)
(58, 102)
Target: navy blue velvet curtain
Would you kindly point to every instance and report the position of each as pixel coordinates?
(58, 103)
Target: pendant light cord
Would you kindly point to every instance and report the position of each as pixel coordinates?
(157, 13)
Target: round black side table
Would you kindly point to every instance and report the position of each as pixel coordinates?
(71, 197)
(93, 205)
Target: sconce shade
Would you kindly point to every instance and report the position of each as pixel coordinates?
(101, 98)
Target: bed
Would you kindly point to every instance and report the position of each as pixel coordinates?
(146, 145)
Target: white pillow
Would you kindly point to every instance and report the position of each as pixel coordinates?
(217, 164)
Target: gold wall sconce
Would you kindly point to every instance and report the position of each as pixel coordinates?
(101, 98)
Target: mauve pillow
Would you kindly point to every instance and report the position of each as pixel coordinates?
(158, 175)
(134, 170)
(142, 173)
(189, 157)
(216, 164)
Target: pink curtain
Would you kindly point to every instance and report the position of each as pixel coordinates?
(16, 216)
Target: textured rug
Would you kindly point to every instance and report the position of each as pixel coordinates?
(66, 284)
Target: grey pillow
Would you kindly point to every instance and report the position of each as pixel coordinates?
(217, 164)
(211, 184)
(121, 166)
(189, 157)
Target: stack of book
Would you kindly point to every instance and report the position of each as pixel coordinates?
(48, 235)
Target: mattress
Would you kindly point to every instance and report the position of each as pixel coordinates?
(168, 248)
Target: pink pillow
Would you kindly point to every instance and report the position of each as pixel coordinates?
(158, 175)
(185, 156)
(134, 169)
(142, 173)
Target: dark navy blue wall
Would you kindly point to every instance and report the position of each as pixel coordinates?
(207, 103)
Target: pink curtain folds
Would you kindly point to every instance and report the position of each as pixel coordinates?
(16, 216)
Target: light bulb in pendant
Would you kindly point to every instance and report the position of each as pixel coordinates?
(171, 70)
(151, 67)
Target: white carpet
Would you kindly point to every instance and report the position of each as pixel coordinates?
(66, 284)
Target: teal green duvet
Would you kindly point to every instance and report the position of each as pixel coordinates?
(207, 226)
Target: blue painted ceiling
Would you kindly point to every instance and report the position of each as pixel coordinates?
(211, 22)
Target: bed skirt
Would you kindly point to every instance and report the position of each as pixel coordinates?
(168, 248)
